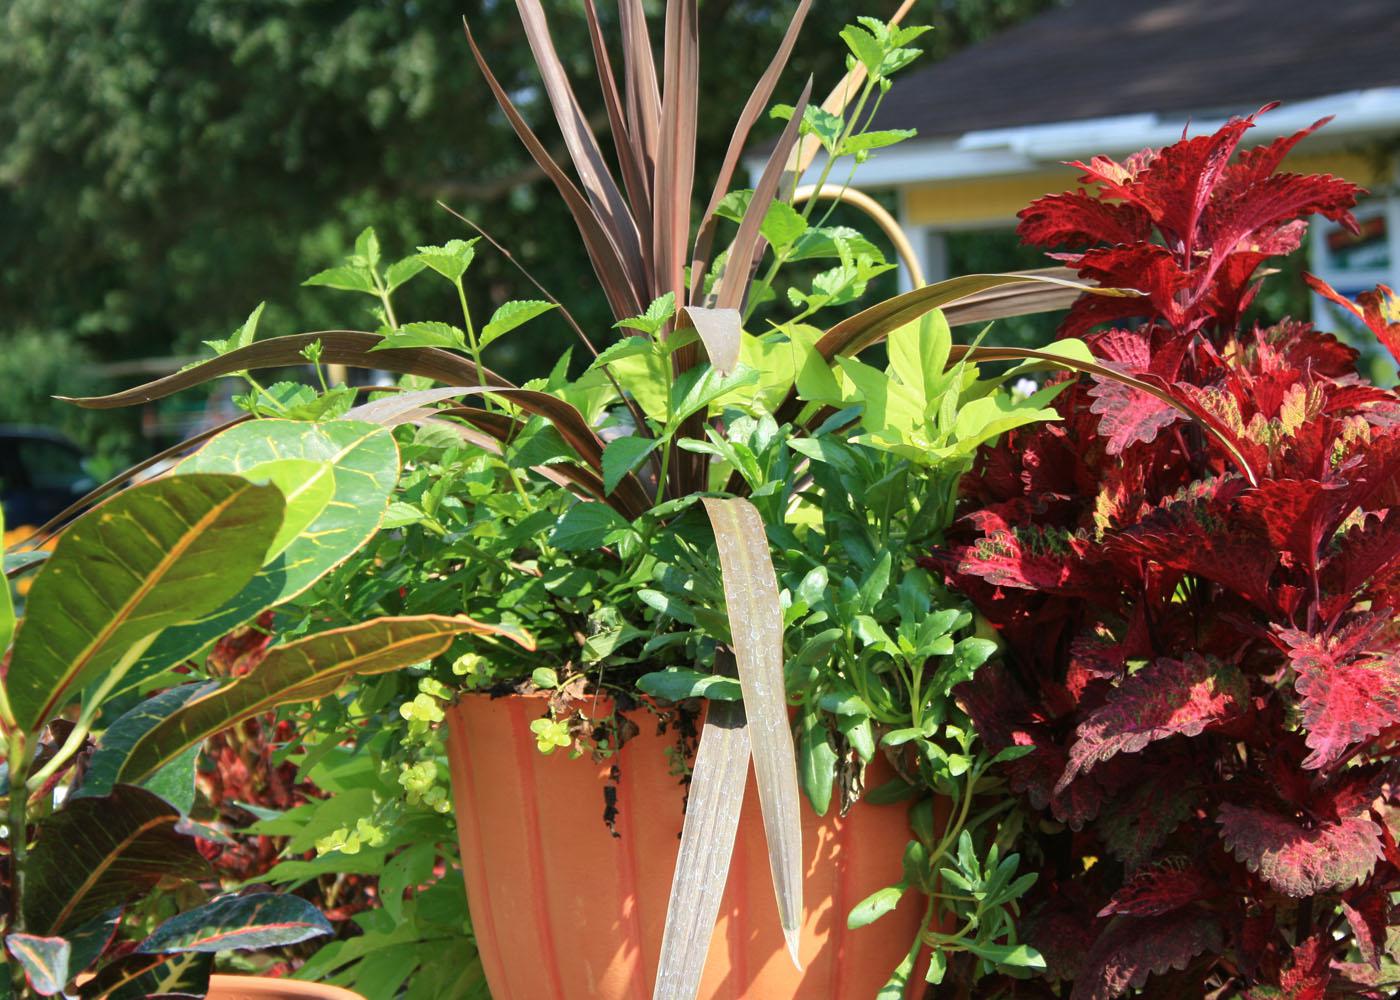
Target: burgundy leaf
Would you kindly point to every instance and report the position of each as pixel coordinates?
(1133, 826)
(1368, 915)
(1166, 698)
(1134, 948)
(1300, 859)
(1159, 890)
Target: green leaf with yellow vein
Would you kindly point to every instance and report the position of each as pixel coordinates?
(306, 486)
(258, 920)
(152, 557)
(140, 977)
(94, 854)
(364, 463)
(300, 671)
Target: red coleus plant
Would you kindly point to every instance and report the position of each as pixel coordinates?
(1200, 641)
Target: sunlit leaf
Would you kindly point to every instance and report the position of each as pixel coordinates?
(157, 555)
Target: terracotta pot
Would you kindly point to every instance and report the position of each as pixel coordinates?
(262, 988)
(562, 908)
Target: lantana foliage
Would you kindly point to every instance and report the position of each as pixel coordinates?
(1199, 618)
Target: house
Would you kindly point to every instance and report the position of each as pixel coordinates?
(996, 121)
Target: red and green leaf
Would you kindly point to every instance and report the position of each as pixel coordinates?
(239, 923)
(1165, 698)
(44, 960)
(1298, 857)
(1132, 949)
(95, 854)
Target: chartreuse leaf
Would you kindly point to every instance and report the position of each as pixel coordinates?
(450, 260)
(258, 920)
(302, 670)
(97, 853)
(919, 354)
(45, 961)
(509, 316)
(364, 464)
(153, 556)
(241, 337)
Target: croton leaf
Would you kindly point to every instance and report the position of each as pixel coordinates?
(306, 668)
(144, 977)
(365, 467)
(118, 739)
(1349, 693)
(258, 920)
(94, 854)
(1133, 948)
(44, 959)
(1165, 698)
(1301, 859)
(150, 558)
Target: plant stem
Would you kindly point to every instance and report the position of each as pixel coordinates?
(18, 824)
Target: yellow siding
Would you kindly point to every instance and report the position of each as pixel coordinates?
(996, 200)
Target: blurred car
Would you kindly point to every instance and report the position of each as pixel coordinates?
(41, 473)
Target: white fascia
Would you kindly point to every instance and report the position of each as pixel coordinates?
(1009, 151)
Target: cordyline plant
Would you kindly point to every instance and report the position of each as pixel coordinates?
(632, 447)
(1200, 643)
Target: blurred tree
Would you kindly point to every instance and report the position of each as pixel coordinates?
(169, 163)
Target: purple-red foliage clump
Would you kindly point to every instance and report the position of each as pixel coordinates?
(1199, 616)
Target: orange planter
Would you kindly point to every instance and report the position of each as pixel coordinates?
(563, 909)
(261, 988)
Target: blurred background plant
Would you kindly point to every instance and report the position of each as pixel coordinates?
(184, 162)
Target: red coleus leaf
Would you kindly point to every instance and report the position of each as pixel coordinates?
(1195, 532)
(1030, 557)
(1379, 310)
(1128, 415)
(1078, 218)
(1133, 826)
(1307, 975)
(1159, 890)
(1165, 698)
(1368, 915)
(1299, 858)
(1349, 693)
(1359, 554)
(1133, 948)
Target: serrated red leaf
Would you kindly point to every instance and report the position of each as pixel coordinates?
(1078, 218)
(1368, 915)
(1030, 558)
(1165, 698)
(1361, 553)
(1296, 859)
(1348, 693)
(1194, 533)
(1159, 890)
(1133, 826)
(1307, 975)
(1134, 948)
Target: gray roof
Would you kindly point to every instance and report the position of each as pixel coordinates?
(1099, 58)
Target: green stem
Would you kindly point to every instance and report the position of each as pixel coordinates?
(18, 823)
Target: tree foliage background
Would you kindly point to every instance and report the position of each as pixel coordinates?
(167, 164)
